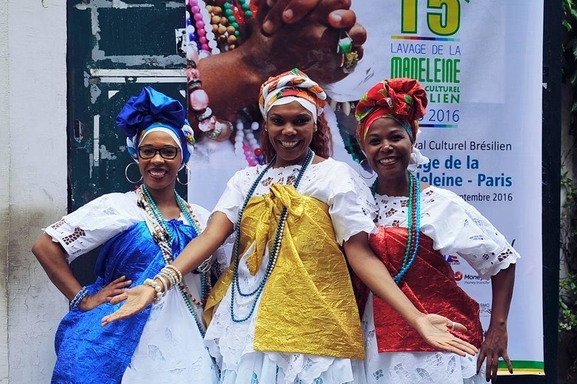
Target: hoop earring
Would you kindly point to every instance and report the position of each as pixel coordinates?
(187, 173)
(362, 168)
(128, 178)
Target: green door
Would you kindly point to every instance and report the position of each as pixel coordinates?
(114, 49)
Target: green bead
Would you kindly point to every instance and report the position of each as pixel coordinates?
(234, 24)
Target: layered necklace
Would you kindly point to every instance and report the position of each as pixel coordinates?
(255, 293)
(162, 237)
(414, 225)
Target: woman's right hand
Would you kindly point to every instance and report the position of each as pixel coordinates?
(114, 288)
(136, 300)
(435, 330)
(309, 44)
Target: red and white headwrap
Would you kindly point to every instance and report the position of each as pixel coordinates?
(403, 100)
(290, 86)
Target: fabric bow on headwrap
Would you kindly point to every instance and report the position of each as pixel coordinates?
(404, 100)
(154, 111)
(290, 86)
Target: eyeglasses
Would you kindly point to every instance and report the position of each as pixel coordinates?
(168, 152)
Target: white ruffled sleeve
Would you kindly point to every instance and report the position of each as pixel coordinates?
(95, 223)
(351, 205)
(459, 228)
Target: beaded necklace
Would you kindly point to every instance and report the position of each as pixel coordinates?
(163, 238)
(255, 294)
(414, 225)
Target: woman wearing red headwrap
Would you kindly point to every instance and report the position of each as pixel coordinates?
(285, 312)
(418, 224)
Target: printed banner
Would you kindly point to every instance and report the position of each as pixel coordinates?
(480, 63)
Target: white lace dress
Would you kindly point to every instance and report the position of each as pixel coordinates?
(455, 227)
(231, 343)
(171, 348)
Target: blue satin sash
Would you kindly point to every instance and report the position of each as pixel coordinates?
(86, 351)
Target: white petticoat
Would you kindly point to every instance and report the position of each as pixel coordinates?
(171, 349)
(232, 345)
(415, 367)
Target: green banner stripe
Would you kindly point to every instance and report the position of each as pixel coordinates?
(523, 364)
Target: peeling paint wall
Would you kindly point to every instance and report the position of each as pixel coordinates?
(4, 191)
(33, 189)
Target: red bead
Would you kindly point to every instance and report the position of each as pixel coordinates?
(258, 151)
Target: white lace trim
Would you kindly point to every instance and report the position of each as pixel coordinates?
(415, 367)
(455, 227)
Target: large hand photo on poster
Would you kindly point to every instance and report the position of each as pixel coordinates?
(480, 65)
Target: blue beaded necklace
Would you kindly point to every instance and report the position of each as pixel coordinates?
(414, 225)
(255, 294)
(163, 238)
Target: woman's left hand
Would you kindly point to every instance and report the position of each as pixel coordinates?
(136, 300)
(494, 347)
(434, 329)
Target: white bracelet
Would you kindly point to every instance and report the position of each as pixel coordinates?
(175, 270)
(154, 284)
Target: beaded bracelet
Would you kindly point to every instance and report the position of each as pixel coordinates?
(75, 302)
(154, 284)
(164, 281)
(172, 278)
(171, 267)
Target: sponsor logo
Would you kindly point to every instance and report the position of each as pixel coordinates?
(485, 308)
(474, 279)
(458, 275)
(452, 259)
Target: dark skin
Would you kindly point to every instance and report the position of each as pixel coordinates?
(52, 256)
(290, 128)
(308, 43)
(386, 139)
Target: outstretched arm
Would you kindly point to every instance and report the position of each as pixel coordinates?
(495, 343)
(198, 250)
(434, 329)
(52, 258)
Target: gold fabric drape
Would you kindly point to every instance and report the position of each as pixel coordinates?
(307, 305)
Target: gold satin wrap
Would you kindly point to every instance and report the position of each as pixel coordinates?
(307, 305)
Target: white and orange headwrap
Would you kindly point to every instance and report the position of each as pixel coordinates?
(290, 86)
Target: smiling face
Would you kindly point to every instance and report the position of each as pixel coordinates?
(388, 149)
(290, 131)
(159, 174)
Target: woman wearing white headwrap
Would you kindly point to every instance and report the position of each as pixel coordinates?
(284, 312)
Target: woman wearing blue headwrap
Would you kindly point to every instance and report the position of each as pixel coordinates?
(141, 231)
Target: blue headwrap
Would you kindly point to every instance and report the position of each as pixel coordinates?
(151, 110)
